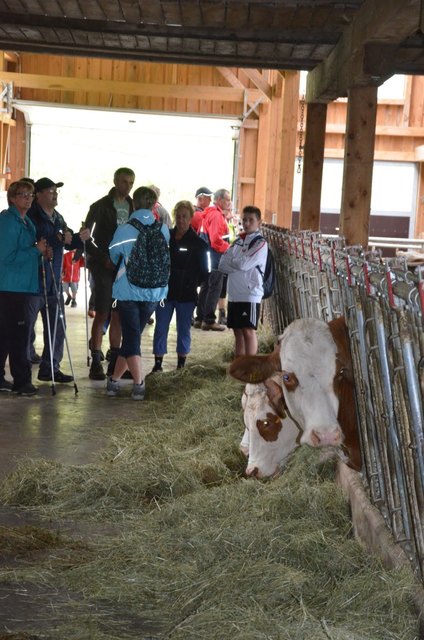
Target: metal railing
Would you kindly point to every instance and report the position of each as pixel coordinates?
(382, 302)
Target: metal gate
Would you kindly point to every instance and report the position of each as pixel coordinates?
(382, 302)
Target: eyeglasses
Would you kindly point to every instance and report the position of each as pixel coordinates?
(25, 195)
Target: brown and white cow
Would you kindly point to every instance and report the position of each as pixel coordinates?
(316, 371)
(270, 436)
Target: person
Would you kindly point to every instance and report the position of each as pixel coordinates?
(215, 230)
(203, 201)
(50, 224)
(189, 268)
(245, 262)
(102, 220)
(159, 210)
(135, 303)
(72, 263)
(20, 256)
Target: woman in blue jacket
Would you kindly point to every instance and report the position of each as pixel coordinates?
(136, 302)
(19, 261)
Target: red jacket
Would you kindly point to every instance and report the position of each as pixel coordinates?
(71, 270)
(196, 221)
(215, 225)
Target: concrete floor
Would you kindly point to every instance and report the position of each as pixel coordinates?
(67, 427)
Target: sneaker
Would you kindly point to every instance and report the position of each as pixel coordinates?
(5, 385)
(27, 389)
(35, 358)
(197, 324)
(213, 326)
(112, 388)
(58, 377)
(73, 303)
(96, 372)
(139, 391)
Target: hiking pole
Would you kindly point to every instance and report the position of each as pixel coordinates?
(86, 302)
(62, 319)
(49, 333)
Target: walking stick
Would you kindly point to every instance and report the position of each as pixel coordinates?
(62, 319)
(49, 333)
(86, 302)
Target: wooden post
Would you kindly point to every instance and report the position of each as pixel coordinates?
(358, 165)
(313, 162)
(288, 148)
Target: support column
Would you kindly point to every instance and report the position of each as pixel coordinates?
(313, 162)
(358, 165)
(288, 148)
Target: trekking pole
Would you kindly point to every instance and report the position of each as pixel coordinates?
(49, 333)
(86, 302)
(62, 319)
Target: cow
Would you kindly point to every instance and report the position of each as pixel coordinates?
(270, 435)
(313, 358)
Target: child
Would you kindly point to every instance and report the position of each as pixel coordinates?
(245, 262)
(72, 263)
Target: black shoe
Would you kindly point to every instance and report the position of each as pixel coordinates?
(5, 385)
(157, 369)
(68, 300)
(58, 377)
(96, 372)
(27, 389)
(102, 355)
(73, 303)
(35, 358)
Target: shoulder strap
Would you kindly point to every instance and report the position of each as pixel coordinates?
(255, 239)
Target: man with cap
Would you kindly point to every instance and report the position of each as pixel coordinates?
(203, 200)
(49, 224)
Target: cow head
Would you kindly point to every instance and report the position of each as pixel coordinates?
(314, 361)
(270, 436)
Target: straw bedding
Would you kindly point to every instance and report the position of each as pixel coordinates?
(202, 552)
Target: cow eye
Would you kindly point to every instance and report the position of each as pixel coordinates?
(290, 381)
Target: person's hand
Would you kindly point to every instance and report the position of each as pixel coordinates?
(42, 246)
(67, 237)
(84, 235)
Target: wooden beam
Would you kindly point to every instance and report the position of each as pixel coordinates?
(384, 21)
(358, 165)
(288, 148)
(255, 76)
(313, 163)
(233, 81)
(59, 83)
(383, 130)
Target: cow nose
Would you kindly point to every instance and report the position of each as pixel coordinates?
(252, 472)
(326, 438)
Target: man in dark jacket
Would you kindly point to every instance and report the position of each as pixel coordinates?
(50, 225)
(100, 225)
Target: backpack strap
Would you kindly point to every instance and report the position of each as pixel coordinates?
(251, 243)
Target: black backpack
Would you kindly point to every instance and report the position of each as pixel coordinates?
(269, 275)
(148, 263)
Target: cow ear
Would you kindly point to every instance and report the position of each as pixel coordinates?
(255, 369)
(276, 397)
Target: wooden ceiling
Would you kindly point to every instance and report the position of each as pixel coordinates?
(343, 43)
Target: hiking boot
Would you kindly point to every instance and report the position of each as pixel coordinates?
(197, 324)
(139, 391)
(58, 377)
(27, 389)
(212, 326)
(112, 388)
(73, 303)
(96, 372)
(68, 300)
(5, 385)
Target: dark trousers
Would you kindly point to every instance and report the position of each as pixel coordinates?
(15, 330)
(209, 294)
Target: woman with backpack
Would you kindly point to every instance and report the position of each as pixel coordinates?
(245, 263)
(140, 251)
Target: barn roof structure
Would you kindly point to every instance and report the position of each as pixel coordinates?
(349, 47)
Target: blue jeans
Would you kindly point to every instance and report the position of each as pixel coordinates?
(134, 316)
(184, 313)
